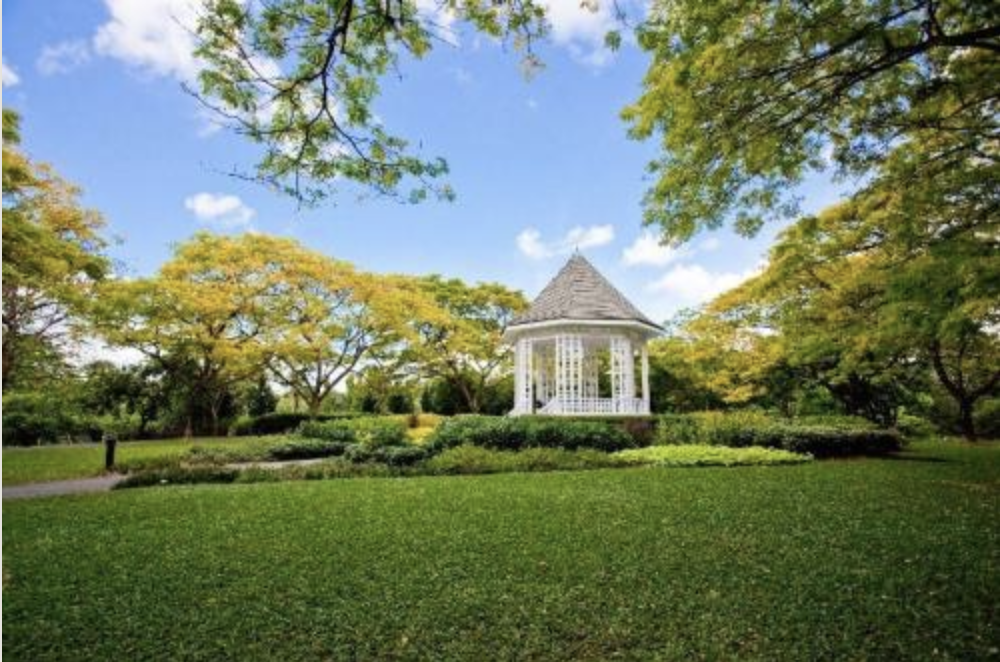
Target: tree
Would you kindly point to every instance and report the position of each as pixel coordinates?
(52, 258)
(204, 314)
(299, 78)
(745, 98)
(332, 320)
(465, 345)
(868, 298)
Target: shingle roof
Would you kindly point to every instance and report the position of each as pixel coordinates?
(580, 292)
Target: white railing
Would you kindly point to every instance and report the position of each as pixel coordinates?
(593, 406)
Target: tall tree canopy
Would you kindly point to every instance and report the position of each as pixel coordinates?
(299, 78)
(746, 97)
(868, 299)
(333, 320)
(52, 256)
(464, 346)
(203, 315)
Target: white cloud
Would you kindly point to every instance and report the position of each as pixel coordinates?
(10, 77)
(463, 76)
(531, 103)
(647, 250)
(63, 57)
(710, 244)
(530, 243)
(152, 35)
(580, 27)
(441, 18)
(227, 211)
(693, 284)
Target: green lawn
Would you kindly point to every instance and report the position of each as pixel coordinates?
(45, 463)
(862, 559)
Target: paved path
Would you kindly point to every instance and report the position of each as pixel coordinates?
(105, 483)
(56, 488)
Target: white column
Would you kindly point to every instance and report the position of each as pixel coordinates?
(560, 365)
(523, 401)
(645, 379)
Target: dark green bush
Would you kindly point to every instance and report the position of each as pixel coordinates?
(179, 475)
(987, 418)
(642, 429)
(468, 459)
(391, 456)
(42, 418)
(835, 438)
(282, 422)
(342, 431)
(307, 449)
(915, 427)
(510, 433)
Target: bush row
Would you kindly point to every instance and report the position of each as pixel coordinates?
(832, 437)
(282, 422)
(373, 432)
(514, 434)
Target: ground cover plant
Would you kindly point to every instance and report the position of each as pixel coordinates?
(696, 455)
(866, 559)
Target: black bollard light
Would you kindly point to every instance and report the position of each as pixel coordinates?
(110, 441)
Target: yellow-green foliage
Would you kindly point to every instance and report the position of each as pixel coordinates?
(708, 456)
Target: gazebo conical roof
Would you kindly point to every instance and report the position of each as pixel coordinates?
(580, 293)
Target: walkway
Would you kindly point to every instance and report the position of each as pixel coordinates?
(105, 483)
(60, 487)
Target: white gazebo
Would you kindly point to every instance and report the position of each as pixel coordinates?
(575, 349)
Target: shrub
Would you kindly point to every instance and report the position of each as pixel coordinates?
(527, 432)
(342, 431)
(468, 459)
(706, 456)
(987, 418)
(179, 475)
(281, 422)
(391, 456)
(370, 431)
(378, 432)
(307, 449)
(42, 418)
(835, 438)
(642, 429)
(915, 427)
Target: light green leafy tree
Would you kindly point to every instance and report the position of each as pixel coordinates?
(52, 258)
(300, 77)
(744, 99)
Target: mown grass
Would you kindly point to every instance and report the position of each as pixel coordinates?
(865, 559)
(47, 463)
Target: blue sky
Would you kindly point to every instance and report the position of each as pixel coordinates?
(539, 166)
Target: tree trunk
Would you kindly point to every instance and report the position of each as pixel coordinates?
(965, 419)
(314, 403)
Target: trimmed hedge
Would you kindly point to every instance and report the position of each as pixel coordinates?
(642, 429)
(374, 432)
(468, 459)
(836, 437)
(514, 434)
(341, 431)
(391, 456)
(307, 449)
(282, 422)
(179, 475)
